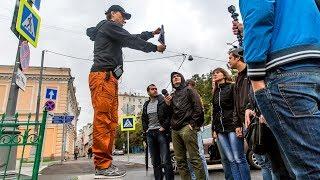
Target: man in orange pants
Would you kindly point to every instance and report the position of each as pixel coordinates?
(109, 37)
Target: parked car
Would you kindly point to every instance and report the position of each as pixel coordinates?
(118, 152)
(212, 154)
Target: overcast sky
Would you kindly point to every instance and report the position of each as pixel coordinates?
(194, 27)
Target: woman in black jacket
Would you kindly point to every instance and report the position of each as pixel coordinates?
(223, 126)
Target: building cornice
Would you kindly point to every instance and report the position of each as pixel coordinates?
(5, 76)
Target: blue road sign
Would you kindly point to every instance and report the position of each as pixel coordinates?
(51, 94)
(36, 4)
(128, 123)
(57, 119)
(62, 119)
(28, 23)
(68, 119)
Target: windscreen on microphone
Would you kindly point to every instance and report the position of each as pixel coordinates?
(164, 92)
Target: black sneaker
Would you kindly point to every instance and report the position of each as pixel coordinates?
(112, 172)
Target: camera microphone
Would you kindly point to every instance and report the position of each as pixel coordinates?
(164, 92)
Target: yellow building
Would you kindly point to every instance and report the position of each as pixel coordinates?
(66, 103)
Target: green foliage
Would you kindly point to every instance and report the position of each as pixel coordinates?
(204, 88)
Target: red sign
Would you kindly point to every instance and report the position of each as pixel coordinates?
(50, 105)
(24, 55)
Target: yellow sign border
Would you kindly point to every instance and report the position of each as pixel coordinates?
(24, 3)
(126, 117)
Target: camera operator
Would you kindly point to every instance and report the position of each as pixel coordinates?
(109, 37)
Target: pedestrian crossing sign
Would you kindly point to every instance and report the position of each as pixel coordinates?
(128, 123)
(28, 23)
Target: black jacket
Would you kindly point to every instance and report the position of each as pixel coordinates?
(186, 107)
(241, 97)
(223, 107)
(162, 111)
(109, 38)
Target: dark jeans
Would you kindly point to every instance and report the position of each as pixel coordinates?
(266, 169)
(279, 170)
(186, 140)
(158, 143)
(233, 147)
(290, 103)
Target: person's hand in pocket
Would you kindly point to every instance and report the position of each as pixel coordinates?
(239, 132)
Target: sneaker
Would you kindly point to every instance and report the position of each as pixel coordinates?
(111, 173)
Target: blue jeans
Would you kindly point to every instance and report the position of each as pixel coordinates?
(233, 148)
(203, 159)
(290, 103)
(266, 168)
(225, 163)
(160, 154)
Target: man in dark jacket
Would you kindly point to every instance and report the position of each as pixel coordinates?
(156, 125)
(109, 37)
(244, 105)
(241, 89)
(187, 118)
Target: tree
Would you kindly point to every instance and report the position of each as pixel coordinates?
(204, 88)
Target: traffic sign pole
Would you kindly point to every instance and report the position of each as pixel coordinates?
(63, 142)
(128, 144)
(10, 112)
(39, 90)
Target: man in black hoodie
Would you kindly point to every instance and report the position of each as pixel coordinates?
(187, 118)
(109, 37)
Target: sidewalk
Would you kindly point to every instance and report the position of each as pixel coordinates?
(28, 167)
(84, 169)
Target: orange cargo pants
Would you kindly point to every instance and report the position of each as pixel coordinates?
(104, 96)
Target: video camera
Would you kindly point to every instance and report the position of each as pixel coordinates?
(234, 15)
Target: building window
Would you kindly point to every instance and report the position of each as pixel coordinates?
(134, 99)
(124, 98)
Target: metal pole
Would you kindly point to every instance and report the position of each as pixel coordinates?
(62, 145)
(32, 153)
(10, 112)
(40, 149)
(128, 148)
(39, 92)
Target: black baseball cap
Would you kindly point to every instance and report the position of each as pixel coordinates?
(117, 8)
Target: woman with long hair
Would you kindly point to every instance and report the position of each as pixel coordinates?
(223, 126)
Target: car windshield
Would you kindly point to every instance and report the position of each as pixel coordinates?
(207, 132)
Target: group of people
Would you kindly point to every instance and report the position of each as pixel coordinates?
(182, 109)
(278, 85)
